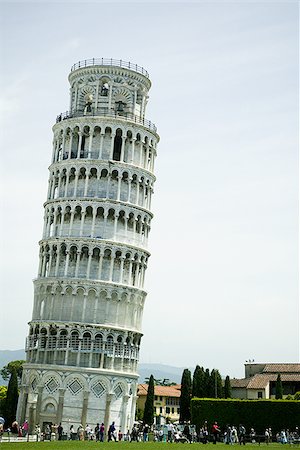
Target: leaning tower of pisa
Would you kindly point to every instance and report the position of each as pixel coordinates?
(85, 333)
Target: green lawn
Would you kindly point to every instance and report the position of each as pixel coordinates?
(68, 445)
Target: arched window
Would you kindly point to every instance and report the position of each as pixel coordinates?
(86, 341)
(117, 145)
(74, 341)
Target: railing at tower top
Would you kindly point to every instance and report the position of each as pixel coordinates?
(104, 112)
(109, 62)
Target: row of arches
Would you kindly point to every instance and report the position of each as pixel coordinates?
(97, 305)
(82, 349)
(33, 379)
(109, 143)
(91, 261)
(118, 185)
(97, 222)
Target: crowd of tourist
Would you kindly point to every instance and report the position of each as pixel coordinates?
(166, 433)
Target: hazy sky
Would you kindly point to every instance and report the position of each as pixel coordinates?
(223, 275)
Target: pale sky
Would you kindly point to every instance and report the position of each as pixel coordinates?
(222, 280)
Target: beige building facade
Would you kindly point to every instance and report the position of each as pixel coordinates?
(260, 380)
(166, 401)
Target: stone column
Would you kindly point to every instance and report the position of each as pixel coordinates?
(84, 408)
(89, 264)
(61, 223)
(71, 223)
(122, 148)
(124, 413)
(78, 253)
(94, 221)
(111, 268)
(79, 144)
(31, 418)
(119, 188)
(70, 144)
(129, 189)
(76, 183)
(39, 404)
(109, 96)
(131, 156)
(60, 407)
(133, 406)
(109, 398)
(141, 154)
(22, 403)
(86, 184)
(101, 145)
(100, 264)
(121, 269)
(67, 184)
(67, 262)
(90, 143)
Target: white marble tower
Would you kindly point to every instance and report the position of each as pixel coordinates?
(84, 336)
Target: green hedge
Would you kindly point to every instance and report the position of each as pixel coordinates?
(259, 414)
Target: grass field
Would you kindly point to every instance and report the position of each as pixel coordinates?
(91, 445)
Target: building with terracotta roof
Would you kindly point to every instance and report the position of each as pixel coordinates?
(166, 401)
(260, 380)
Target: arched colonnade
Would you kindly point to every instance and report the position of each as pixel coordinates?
(103, 183)
(115, 143)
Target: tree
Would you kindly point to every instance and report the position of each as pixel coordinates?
(185, 396)
(215, 385)
(198, 389)
(278, 387)
(227, 388)
(149, 404)
(11, 401)
(160, 382)
(206, 383)
(7, 370)
(3, 393)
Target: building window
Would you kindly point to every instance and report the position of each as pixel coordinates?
(161, 398)
(167, 410)
(178, 410)
(160, 410)
(173, 410)
(259, 395)
(155, 397)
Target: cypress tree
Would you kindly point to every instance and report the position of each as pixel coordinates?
(195, 387)
(278, 388)
(11, 401)
(227, 388)
(206, 383)
(149, 404)
(198, 389)
(215, 385)
(185, 396)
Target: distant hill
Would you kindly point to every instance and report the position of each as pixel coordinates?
(159, 371)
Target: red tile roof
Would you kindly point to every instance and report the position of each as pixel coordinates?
(282, 368)
(239, 382)
(164, 391)
(261, 380)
